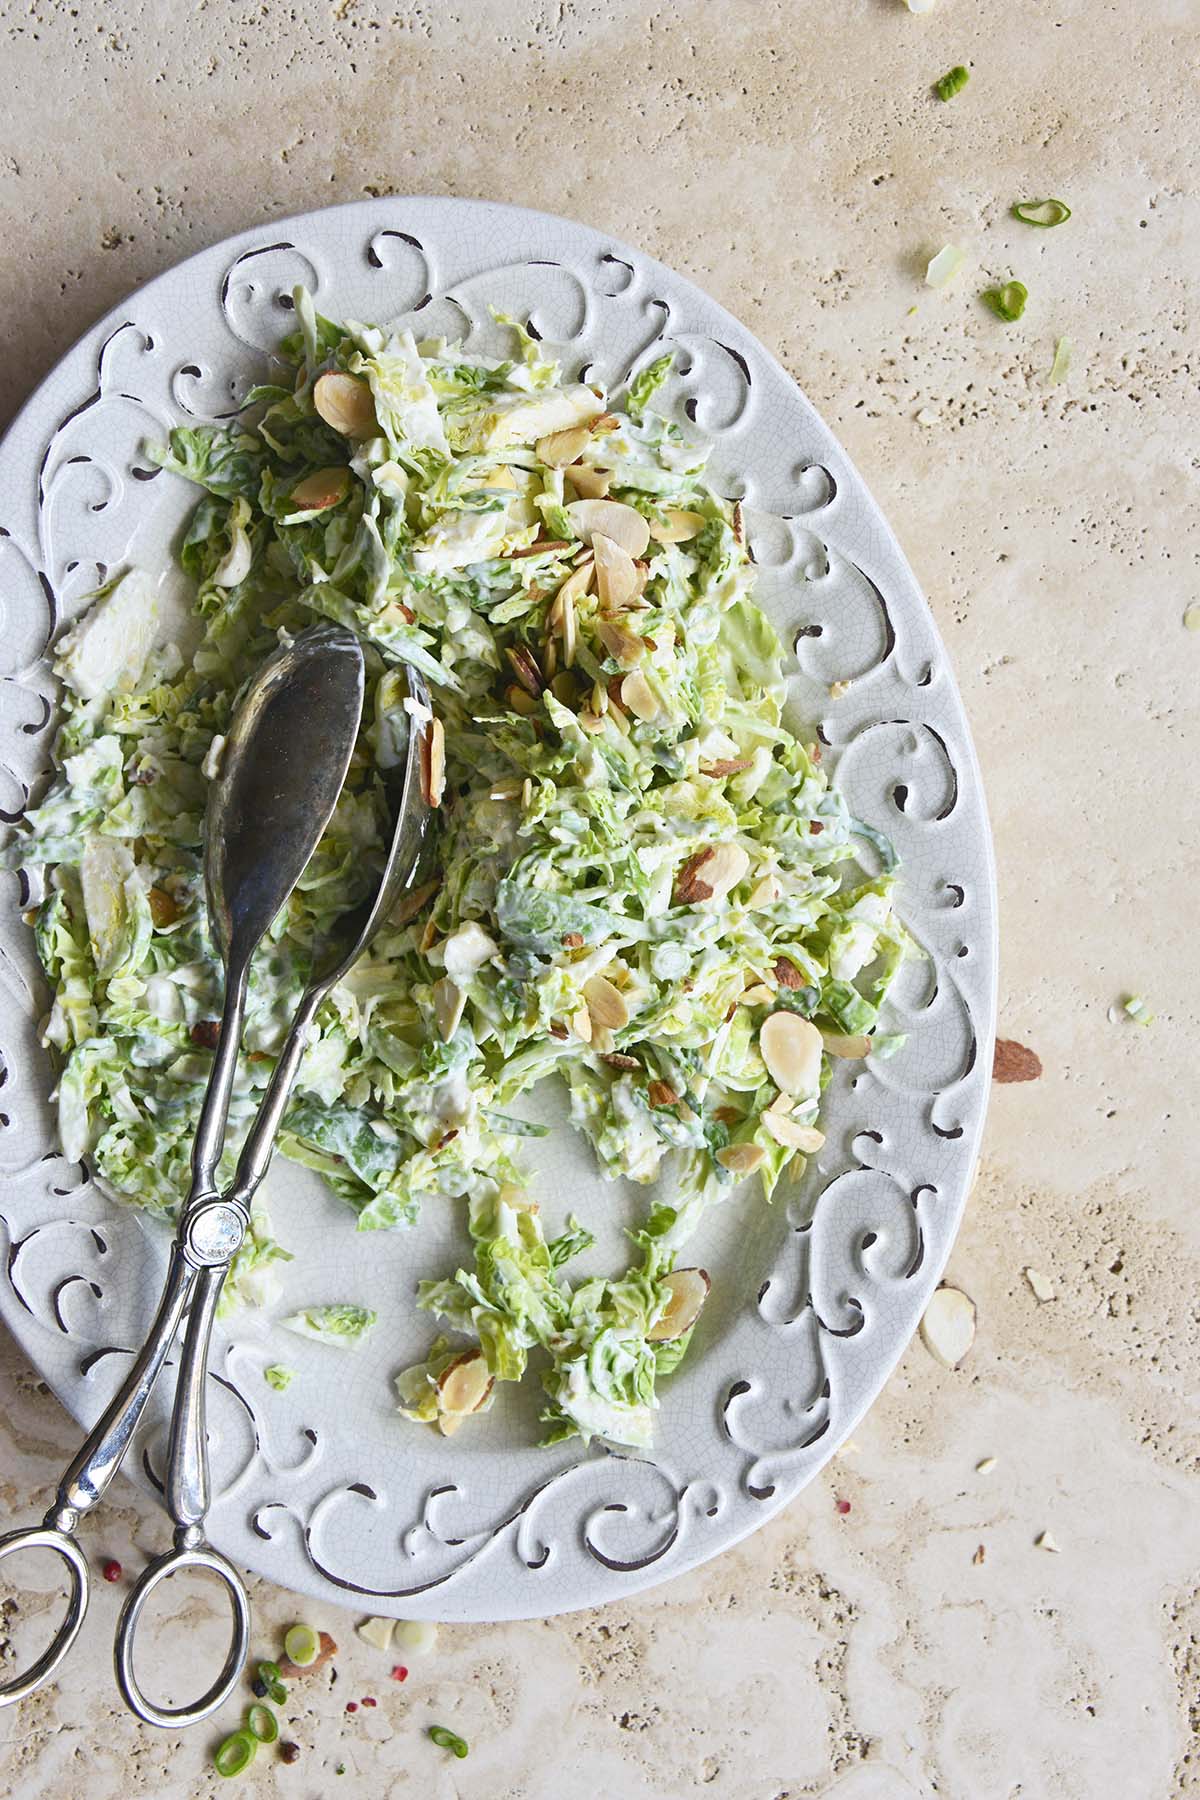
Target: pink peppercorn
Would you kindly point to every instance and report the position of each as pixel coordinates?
(399, 1673)
(112, 1570)
(352, 1706)
(843, 1506)
(368, 1701)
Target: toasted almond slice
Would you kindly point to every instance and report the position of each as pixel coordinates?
(562, 447)
(569, 632)
(782, 1103)
(345, 403)
(727, 765)
(591, 723)
(786, 973)
(791, 1049)
(581, 1024)
(661, 1093)
(797, 1137)
(448, 1003)
(448, 1423)
(852, 1047)
(589, 483)
(550, 658)
(617, 577)
(764, 893)
(710, 874)
(948, 1326)
(433, 762)
(464, 1384)
(579, 581)
(164, 908)
(687, 1290)
(739, 526)
(322, 489)
(676, 526)
(624, 646)
(376, 1632)
(741, 1159)
(605, 1003)
(619, 523)
(505, 790)
(520, 702)
(639, 697)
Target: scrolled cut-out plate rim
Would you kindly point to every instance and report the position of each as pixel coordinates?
(322, 1488)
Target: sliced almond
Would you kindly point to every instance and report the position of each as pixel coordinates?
(562, 447)
(786, 973)
(805, 1138)
(581, 1024)
(464, 1384)
(764, 893)
(164, 908)
(525, 669)
(676, 526)
(1045, 1540)
(376, 1632)
(782, 1103)
(448, 1423)
(569, 632)
(433, 762)
(520, 701)
(448, 1003)
(617, 579)
(579, 581)
(1042, 1286)
(589, 483)
(639, 697)
(605, 1003)
(591, 723)
(661, 1093)
(687, 1290)
(739, 526)
(948, 1326)
(710, 874)
(621, 524)
(727, 765)
(741, 1159)
(850, 1048)
(791, 1048)
(320, 490)
(616, 1059)
(757, 995)
(625, 647)
(345, 403)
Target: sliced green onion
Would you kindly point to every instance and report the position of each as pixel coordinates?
(236, 1754)
(448, 1740)
(1042, 212)
(272, 1680)
(944, 266)
(278, 1377)
(1191, 617)
(301, 1645)
(1061, 363)
(1007, 301)
(952, 83)
(261, 1723)
(1138, 1011)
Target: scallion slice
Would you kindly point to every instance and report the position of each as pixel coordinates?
(236, 1753)
(1007, 301)
(953, 82)
(1061, 363)
(272, 1680)
(448, 1740)
(301, 1645)
(261, 1723)
(1042, 212)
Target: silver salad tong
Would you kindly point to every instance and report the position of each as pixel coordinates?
(282, 768)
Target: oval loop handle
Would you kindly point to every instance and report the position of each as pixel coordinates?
(49, 1537)
(197, 1556)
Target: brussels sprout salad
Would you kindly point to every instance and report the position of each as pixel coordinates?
(646, 887)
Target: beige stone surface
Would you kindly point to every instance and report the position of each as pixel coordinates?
(790, 158)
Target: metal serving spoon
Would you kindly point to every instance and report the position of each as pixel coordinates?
(267, 810)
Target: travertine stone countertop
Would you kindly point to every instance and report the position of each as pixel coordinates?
(790, 158)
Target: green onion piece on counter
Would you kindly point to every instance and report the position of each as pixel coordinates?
(448, 1740)
(952, 83)
(1061, 363)
(278, 1377)
(261, 1723)
(1138, 1011)
(1191, 617)
(1042, 212)
(272, 1680)
(301, 1645)
(1007, 301)
(236, 1753)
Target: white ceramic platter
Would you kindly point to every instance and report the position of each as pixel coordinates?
(323, 1488)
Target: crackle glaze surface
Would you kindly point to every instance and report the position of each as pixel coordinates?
(323, 1488)
(792, 161)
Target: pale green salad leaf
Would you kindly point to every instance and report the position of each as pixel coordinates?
(340, 1325)
(642, 863)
